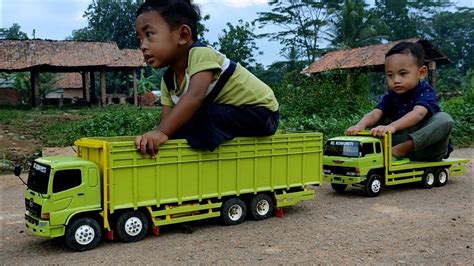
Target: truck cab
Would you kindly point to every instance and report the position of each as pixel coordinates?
(60, 188)
(351, 159)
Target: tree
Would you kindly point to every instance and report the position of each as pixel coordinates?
(110, 20)
(354, 26)
(302, 24)
(238, 43)
(13, 33)
(404, 19)
(453, 34)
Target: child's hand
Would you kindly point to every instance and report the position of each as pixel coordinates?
(151, 140)
(382, 130)
(353, 130)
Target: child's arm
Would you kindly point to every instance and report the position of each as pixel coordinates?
(368, 120)
(410, 119)
(174, 118)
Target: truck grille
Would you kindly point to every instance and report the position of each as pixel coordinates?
(31, 220)
(33, 208)
(338, 170)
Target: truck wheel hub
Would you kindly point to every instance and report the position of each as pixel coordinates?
(133, 226)
(84, 234)
(263, 207)
(235, 212)
(376, 186)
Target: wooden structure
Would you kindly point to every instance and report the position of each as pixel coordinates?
(372, 58)
(38, 56)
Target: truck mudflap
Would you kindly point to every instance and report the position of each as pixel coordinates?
(344, 180)
(42, 228)
(292, 198)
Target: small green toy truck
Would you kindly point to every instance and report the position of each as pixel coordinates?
(110, 188)
(366, 161)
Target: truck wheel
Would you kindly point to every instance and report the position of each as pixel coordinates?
(373, 185)
(261, 207)
(83, 234)
(339, 188)
(132, 226)
(428, 179)
(441, 177)
(233, 211)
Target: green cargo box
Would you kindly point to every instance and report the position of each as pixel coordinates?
(180, 174)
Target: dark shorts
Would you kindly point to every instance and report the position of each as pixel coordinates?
(214, 123)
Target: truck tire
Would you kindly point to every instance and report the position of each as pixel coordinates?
(83, 234)
(373, 185)
(131, 226)
(339, 188)
(428, 179)
(233, 211)
(441, 177)
(261, 207)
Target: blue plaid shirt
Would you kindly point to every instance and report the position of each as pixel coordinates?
(395, 106)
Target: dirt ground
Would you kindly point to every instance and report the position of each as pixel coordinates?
(404, 225)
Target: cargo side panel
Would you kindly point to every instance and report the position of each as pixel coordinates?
(180, 173)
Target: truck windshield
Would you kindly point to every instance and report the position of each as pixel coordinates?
(39, 177)
(342, 148)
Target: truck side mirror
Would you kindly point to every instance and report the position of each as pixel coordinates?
(17, 170)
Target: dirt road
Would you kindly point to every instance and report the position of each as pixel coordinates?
(404, 225)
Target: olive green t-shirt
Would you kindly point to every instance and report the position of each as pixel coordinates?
(243, 88)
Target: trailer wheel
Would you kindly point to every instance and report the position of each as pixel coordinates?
(83, 234)
(441, 177)
(261, 207)
(233, 211)
(339, 188)
(373, 185)
(428, 179)
(132, 226)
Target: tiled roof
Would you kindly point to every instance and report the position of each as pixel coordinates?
(368, 56)
(129, 58)
(23, 54)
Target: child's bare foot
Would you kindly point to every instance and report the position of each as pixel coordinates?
(402, 149)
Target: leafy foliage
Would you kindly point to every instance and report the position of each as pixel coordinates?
(238, 43)
(13, 33)
(120, 121)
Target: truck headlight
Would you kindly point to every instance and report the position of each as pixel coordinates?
(326, 171)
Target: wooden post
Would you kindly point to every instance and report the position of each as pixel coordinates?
(86, 96)
(135, 88)
(35, 89)
(103, 88)
(93, 95)
(432, 75)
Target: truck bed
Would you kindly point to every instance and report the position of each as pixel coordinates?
(415, 164)
(181, 174)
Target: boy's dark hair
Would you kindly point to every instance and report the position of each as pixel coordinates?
(415, 49)
(174, 12)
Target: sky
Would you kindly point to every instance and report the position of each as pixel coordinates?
(56, 19)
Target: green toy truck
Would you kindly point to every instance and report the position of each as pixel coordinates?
(366, 161)
(110, 188)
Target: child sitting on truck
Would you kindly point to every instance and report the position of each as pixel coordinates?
(421, 130)
(206, 97)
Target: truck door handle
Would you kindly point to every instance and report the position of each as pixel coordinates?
(80, 194)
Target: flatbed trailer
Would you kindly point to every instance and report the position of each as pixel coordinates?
(366, 161)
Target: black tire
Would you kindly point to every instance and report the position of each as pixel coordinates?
(441, 177)
(261, 207)
(83, 234)
(339, 188)
(233, 211)
(131, 226)
(428, 179)
(373, 185)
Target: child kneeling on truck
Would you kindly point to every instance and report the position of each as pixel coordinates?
(421, 130)
(206, 97)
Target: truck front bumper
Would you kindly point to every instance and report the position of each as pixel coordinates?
(341, 179)
(42, 228)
